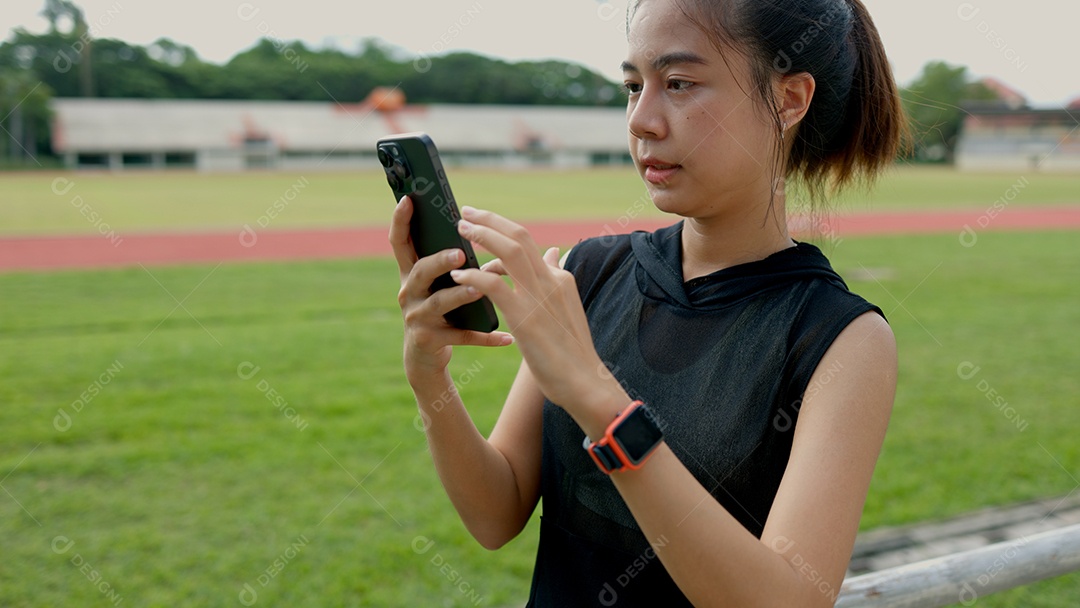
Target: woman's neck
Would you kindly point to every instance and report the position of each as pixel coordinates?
(741, 236)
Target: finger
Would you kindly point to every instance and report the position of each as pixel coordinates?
(417, 284)
(476, 338)
(400, 241)
(433, 338)
(500, 224)
(495, 266)
(519, 261)
(445, 300)
(487, 283)
(551, 257)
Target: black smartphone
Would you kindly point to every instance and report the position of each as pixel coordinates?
(412, 166)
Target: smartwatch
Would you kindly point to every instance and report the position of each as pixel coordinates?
(628, 441)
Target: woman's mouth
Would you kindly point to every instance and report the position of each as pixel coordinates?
(660, 173)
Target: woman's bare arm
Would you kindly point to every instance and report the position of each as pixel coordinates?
(493, 483)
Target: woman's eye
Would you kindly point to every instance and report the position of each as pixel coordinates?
(632, 87)
(679, 85)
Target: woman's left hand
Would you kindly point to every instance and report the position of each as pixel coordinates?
(543, 310)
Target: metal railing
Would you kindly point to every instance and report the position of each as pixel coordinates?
(965, 577)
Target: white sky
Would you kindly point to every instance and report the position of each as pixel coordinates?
(1030, 45)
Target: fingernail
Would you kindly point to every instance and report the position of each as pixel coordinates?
(452, 257)
(507, 340)
(472, 291)
(464, 227)
(456, 274)
(467, 210)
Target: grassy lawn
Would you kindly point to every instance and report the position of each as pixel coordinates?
(942, 188)
(192, 201)
(267, 438)
(37, 203)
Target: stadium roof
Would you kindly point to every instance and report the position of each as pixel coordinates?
(134, 125)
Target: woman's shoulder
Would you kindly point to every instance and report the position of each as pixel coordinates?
(602, 250)
(595, 260)
(596, 252)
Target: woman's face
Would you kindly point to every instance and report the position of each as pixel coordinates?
(697, 136)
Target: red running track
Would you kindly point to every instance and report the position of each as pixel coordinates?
(61, 252)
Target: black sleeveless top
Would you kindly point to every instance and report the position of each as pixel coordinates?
(722, 360)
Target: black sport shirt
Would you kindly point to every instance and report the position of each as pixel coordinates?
(722, 360)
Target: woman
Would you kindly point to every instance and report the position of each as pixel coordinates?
(732, 394)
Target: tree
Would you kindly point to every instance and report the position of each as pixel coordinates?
(933, 103)
(172, 53)
(53, 11)
(65, 62)
(24, 117)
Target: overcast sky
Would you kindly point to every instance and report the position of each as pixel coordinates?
(1030, 45)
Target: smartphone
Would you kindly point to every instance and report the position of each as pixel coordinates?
(412, 166)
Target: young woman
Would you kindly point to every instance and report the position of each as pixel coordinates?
(731, 393)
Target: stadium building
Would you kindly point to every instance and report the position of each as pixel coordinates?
(223, 135)
(1001, 138)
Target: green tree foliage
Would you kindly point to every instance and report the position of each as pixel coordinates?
(24, 108)
(71, 64)
(273, 69)
(24, 117)
(934, 103)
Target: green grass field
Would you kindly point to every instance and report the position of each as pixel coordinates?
(36, 203)
(263, 433)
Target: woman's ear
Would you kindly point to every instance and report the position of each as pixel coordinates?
(794, 92)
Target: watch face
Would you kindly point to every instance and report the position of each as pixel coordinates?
(638, 435)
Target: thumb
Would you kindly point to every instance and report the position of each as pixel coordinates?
(551, 257)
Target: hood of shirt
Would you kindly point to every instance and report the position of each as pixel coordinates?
(659, 255)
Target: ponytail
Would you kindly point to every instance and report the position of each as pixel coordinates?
(874, 125)
(854, 126)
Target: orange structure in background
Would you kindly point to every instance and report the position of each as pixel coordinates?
(385, 99)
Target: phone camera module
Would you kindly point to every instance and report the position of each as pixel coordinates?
(384, 158)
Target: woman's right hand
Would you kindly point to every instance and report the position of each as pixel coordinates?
(428, 337)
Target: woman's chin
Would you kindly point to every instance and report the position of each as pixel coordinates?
(667, 201)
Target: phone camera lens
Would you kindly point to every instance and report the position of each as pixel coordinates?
(384, 158)
(401, 171)
(394, 182)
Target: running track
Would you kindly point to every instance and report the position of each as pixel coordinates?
(157, 249)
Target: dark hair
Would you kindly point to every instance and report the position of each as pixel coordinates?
(854, 126)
